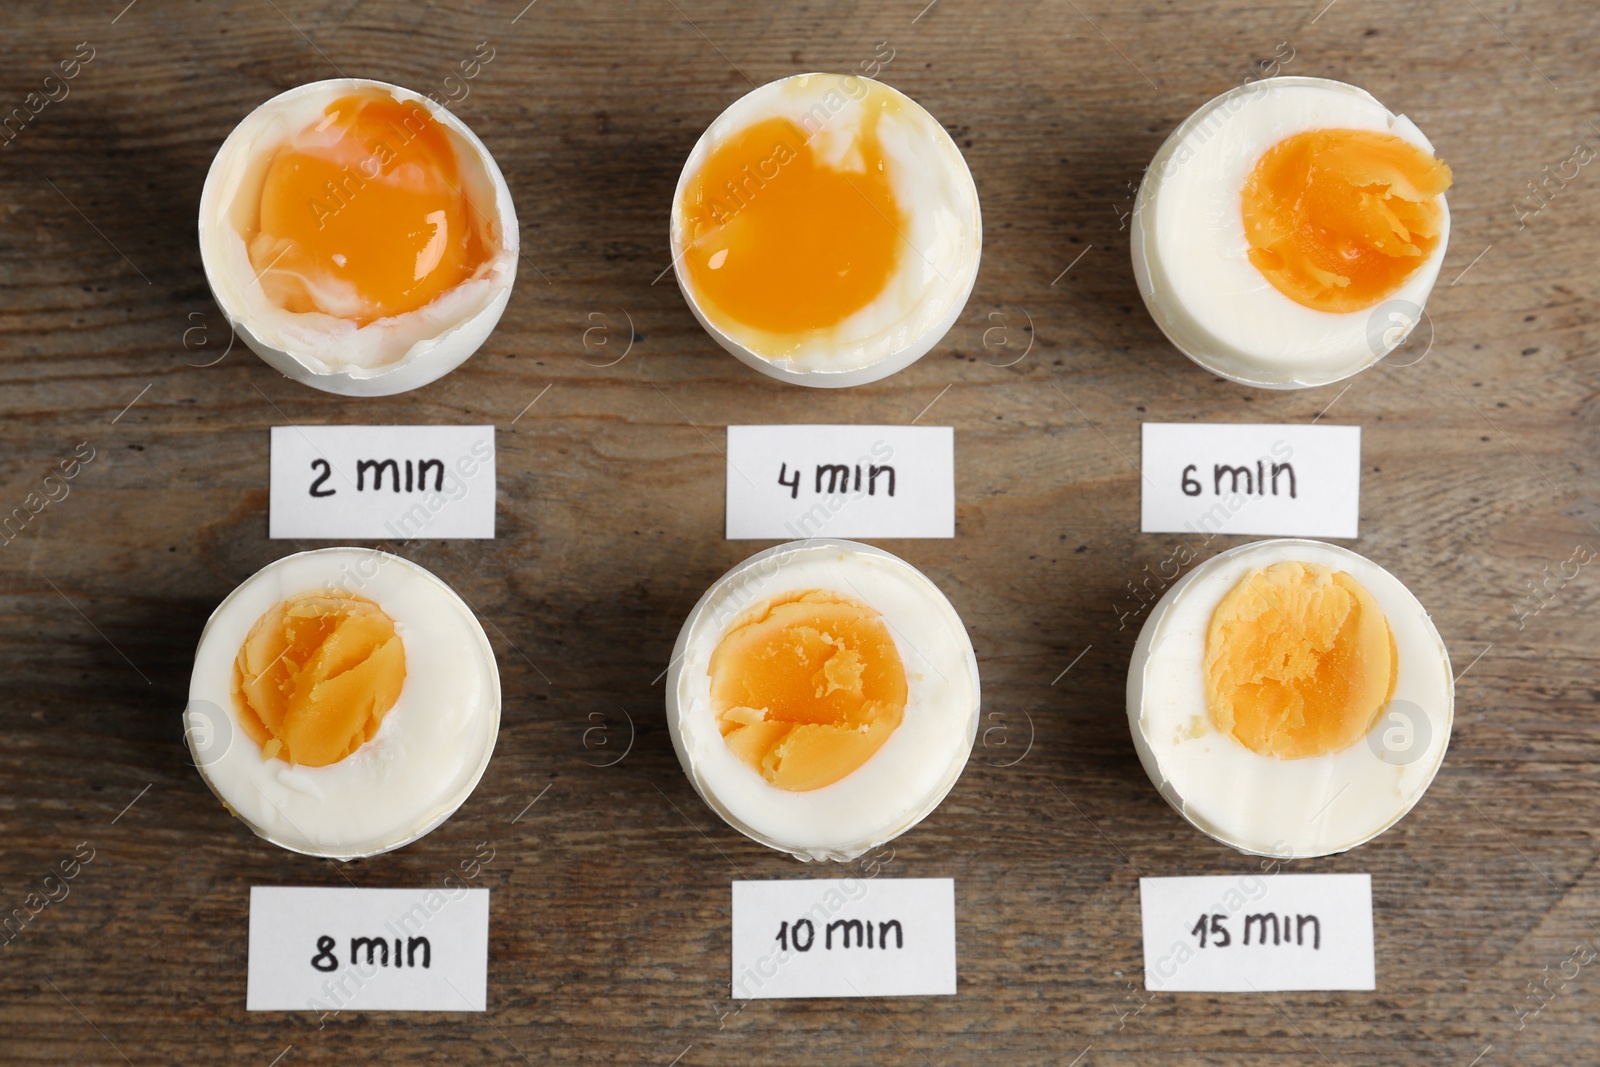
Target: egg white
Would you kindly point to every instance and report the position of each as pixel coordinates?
(905, 779)
(390, 355)
(1191, 255)
(1271, 807)
(429, 752)
(941, 241)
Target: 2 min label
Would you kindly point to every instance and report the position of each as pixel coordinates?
(391, 483)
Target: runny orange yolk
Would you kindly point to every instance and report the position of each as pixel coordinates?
(363, 214)
(779, 240)
(316, 676)
(1299, 661)
(1338, 219)
(806, 687)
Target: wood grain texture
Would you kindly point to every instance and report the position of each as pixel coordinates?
(609, 935)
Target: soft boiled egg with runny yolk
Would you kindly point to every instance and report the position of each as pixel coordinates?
(823, 697)
(1289, 232)
(362, 214)
(826, 230)
(358, 236)
(344, 702)
(1290, 698)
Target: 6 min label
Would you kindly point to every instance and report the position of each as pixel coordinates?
(1287, 481)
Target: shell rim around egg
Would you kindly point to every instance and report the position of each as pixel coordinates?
(1142, 662)
(825, 378)
(699, 616)
(493, 699)
(413, 368)
(1197, 343)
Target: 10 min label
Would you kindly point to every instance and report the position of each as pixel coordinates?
(804, 934)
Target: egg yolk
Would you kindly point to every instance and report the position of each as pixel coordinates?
(362, 214)
(316, 676)
(1338, 219)
(806, 687)
(782, 241)
(1299, 661)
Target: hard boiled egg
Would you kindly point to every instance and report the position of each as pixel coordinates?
(825, 230)
(358, 237)
(1290, 698)
(1289, 232)
(823, 697)
(344, 702)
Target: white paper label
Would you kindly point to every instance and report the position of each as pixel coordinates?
(792, 482)
(844, 937)
(1257, 933)
(1289, 481)
(352, 949)
(393, 483)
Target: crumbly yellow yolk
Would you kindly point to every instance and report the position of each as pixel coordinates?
(363, 214)
(1299, 661)
(806, 687)
(316, 676)
(1338, 219)
(779, 240)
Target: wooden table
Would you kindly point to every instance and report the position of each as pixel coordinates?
(609, 935)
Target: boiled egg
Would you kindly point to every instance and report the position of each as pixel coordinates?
(1290, 698)
(825, 230)
(823, 697)
(358, 237)
(344, 702)
(1289, 232)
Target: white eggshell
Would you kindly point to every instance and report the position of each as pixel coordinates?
(392, 355)
(1285, 808)
(1191, 255)
(928, 291)
(905, 779)
(429, 752)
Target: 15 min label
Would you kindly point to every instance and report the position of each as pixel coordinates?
(1255, 932)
